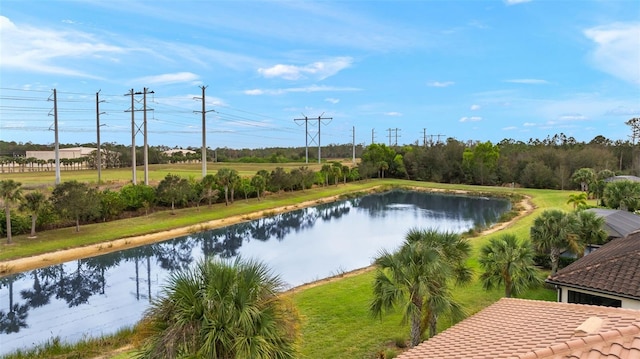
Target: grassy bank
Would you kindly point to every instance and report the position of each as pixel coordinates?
(335, 318)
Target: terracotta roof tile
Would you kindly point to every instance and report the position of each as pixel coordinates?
(528, 329)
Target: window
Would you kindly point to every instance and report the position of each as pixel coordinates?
(584, 298)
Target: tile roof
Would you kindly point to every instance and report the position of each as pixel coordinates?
(623, 178)
(613, 269)
(531, 329)
(618, 223)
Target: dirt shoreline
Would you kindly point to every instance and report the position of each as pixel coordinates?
(61, 256)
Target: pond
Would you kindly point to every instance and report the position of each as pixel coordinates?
(99, 295)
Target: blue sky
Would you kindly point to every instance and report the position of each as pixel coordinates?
(472, 70)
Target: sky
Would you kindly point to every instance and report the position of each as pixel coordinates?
(392, 72)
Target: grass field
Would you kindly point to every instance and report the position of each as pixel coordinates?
(121, 176)
(335, 318)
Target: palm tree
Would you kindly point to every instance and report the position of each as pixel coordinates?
(584, 177)
(553, 231)
(508, 262)
(33, 203)
(591, 228)
(416, 278)
(578, 200)
(227, 178)
(10, 192)
(221, 309)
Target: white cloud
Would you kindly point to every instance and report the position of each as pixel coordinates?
(332, 100)
(616, 50)
(510, 128)
(312, 88)
(471, 119)
(440, 83)
(572, 117)
(393, 114)
(48, 50)
(528, 124)
(254, 92)
(164, 79)
(319, 70)
(475, 107)
(528, 81)
(624, 111)
(515, 2)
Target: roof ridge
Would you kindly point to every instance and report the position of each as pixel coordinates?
(589, 341)
(600, 308)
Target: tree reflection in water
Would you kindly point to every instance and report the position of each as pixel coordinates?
(102, 278)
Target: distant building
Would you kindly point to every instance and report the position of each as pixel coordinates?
(609, 276)
(623, 178)
(74, 152)
(177, 150)
(617, 223)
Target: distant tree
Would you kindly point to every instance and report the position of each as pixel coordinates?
(346, 173)
(336, 172)
(378, 157)
(75, 200)
(509, 262)
(33, 203)
(584, 177)
(623, 195)
(136, 196)
(173, 189)
(209, 192)
(10, 193)
(481, 161)
(221, 309)
(260, 184)
(590, 228)
(326, 172)
(578, 200)
(307, 177)
(553, 231)
(537, 174)
(227, 178)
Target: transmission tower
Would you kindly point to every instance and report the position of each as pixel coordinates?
(313, 136)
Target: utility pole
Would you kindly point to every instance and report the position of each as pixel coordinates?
(135, 129)
(146, 143)
(373, 131)
(204, 131)
(133, 138)
(396, 135)
(55, 129)
(99, 153)
(424, 137)
(313, 137)
(439, 135)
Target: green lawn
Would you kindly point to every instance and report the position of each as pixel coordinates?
(335, 318)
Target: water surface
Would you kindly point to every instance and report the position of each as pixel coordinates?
(97, 296)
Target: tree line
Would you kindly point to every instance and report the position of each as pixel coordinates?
(547, 163)
(73, 203)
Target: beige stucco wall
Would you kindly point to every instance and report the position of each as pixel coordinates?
(626, 303)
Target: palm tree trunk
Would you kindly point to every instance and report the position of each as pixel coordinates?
(77, 223)
(416, 318)
(7, 215)
(554, 255)
(33, 225)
